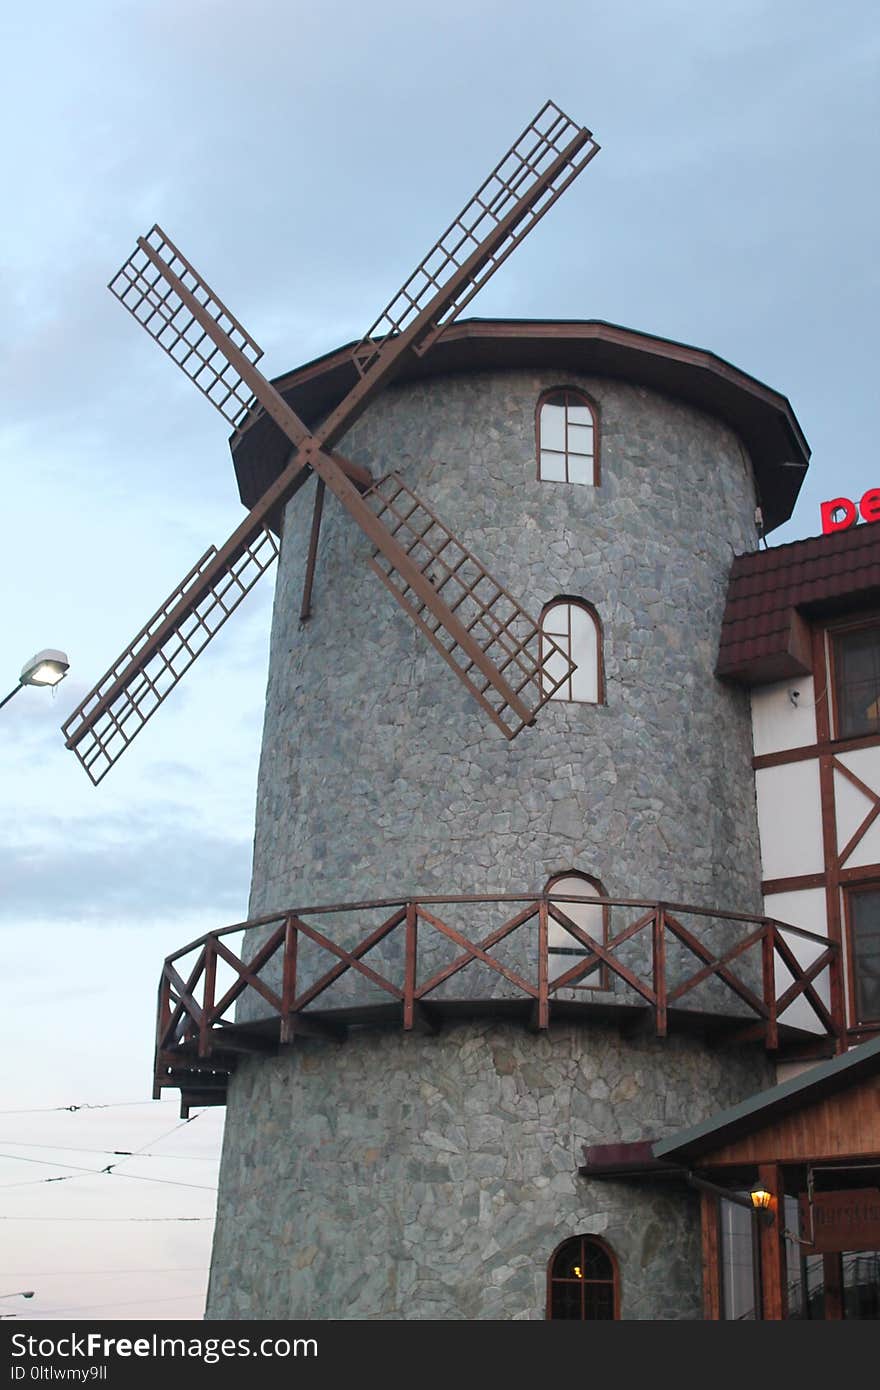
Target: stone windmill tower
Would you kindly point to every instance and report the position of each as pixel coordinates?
(467, 951)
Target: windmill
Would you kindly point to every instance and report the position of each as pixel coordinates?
(480, 630)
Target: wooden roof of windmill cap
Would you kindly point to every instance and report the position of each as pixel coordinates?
(762, 417)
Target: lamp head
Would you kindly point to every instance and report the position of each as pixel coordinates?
(48, 667)
(761, 1200)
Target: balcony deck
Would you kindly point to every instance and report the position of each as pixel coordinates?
(667, 967)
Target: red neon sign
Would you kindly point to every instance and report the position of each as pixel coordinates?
(869, 507)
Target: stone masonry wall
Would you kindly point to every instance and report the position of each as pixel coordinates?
(443, 1170)
(398, 1177)
(379, 772)
(381, 777)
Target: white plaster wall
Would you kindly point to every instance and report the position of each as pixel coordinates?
(865, 763)
(783, 715)
(790, 819)
(806, 909)
(853, 805)
(867, 851)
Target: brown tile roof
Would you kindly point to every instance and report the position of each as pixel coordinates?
(764, 635)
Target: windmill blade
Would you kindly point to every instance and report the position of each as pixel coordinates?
(181, 312)
(145, 288)
(177, 308)
(493, 633)
(522, 187)
(497, 651)
(493, 646)
(104, 724)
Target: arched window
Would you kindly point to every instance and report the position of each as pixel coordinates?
(582, 1281)
(574, 626)
(563, 949)
(568, 437)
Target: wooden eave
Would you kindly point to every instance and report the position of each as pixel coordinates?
(762, 418)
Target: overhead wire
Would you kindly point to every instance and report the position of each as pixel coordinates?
(106, 1218)
(80, 1149)
(85, 1105)
(109, 1171)
(89, 1307)
(67, 1273)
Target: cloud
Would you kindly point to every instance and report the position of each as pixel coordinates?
(129, 869)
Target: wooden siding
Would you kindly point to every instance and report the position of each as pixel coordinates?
(841, 1126)
(712, 1310)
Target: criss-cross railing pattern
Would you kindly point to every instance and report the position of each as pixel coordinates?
(751, 963)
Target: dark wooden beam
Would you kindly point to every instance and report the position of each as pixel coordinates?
(232, 1039)
(299, 1025)
(425, 1020)
(709, 1233)
(305, 611)
(774, 1273)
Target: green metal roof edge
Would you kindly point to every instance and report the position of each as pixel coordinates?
(755, 1108)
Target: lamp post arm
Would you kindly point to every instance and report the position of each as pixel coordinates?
(7, 698)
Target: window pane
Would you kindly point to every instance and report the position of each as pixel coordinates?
(555, 623)
(555, 668)
(579, 414)
(857, 667)
(598, 1301)
(737, 1267)
(584, 651)
(585, 915)
(565, 1301)
(861, 1285)
(580, 469)
(552, 428)
(865, 919)
(597, 1265)
(552, 467)
(580, 440)
(567, 1264)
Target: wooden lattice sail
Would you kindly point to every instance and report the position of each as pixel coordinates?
(480, 629)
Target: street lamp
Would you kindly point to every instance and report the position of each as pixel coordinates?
(47, 667)
(762, 1203)
(20, 1293)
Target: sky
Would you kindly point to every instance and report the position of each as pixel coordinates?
(304, 157)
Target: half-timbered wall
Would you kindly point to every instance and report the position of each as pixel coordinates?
(818, 800)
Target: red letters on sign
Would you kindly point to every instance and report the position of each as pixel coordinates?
(869, 507)
(870, 504)
(830, 519)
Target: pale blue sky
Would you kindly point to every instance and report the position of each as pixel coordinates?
(304, 157)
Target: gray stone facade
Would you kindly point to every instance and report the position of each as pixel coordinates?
(396, 1177)
(381, 776)
(448, 1175)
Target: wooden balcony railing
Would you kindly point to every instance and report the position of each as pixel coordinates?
(741, 976)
